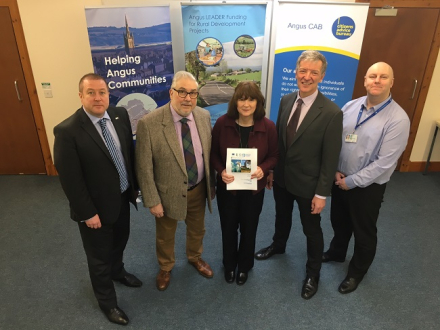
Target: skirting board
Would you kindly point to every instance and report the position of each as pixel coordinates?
(420, 166)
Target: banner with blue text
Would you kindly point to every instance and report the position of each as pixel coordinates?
(131, 49)
(335, 30)
(223, 46)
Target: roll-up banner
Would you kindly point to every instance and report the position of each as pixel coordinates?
(131, 49)
(224, 44)
(334, 29)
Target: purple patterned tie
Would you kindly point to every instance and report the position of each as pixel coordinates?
(293, 124)
(188, 152)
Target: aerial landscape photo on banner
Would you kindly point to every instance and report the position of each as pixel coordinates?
(223, 46)
(131, 48)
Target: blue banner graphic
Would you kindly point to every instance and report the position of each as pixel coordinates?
(131, 49)
(223, 46)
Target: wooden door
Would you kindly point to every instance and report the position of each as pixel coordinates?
(403, 41)
(20, 150)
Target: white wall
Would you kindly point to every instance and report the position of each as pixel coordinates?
(57, 41)
(431, 113)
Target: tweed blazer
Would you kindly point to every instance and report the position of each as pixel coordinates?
(308, 166)
(160, 164)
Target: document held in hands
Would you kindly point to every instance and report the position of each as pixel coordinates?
(241, 162)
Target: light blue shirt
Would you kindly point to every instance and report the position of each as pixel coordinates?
(380, 142)
(111, 129)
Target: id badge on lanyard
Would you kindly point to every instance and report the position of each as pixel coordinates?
(352, 138)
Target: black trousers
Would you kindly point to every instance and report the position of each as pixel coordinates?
(311, 224)
(104, 249)
(355, 211)
(240, 211)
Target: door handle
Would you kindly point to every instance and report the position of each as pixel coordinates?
(18, 92)
(414, 90)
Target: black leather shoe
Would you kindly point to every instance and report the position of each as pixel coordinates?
(242, 278)
(230, 276)
(310, 287)
(130, 280)
(326, 257)
(268, 252)
(116, 315)
(349, 284)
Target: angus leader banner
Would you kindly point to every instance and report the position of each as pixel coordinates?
(224, 44)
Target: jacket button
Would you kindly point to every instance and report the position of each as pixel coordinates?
(184, 182)
(183, 195)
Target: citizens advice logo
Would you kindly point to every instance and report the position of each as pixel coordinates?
(343, 27)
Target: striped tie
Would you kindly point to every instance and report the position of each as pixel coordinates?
(111, 146)
(188, 152)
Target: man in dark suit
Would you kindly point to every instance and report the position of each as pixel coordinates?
(94, 154)
(309, 129)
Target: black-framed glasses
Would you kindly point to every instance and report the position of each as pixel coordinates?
(183, 93)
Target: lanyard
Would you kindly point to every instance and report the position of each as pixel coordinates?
(368, 118)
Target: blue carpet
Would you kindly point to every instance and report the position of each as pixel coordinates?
(44, 282)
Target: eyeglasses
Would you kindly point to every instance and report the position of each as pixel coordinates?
(183, 93)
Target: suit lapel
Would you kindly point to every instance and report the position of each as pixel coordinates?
(170, 135)
(285, 117)
(88, 126)
(314, 111)
(204, 134)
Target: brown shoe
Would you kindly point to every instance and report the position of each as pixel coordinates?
(202, 267)
(163, 280)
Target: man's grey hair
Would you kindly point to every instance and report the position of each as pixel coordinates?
(312, 55)
(182, 75)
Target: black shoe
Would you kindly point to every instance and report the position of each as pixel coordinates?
(230, 276)
(116, 315)
(327, 256)
(349, 284)
(130, 280)
(268, 252)
(310, 287)
(242, 278)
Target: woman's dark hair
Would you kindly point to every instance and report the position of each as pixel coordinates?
(246, 90)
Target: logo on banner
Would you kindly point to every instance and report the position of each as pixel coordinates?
(343, 28)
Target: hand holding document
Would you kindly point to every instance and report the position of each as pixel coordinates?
(241, 162)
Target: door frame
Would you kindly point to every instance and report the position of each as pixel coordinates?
(30, 84)
(406, 165)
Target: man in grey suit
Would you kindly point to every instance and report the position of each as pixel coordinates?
(172, 163)
(309, 129)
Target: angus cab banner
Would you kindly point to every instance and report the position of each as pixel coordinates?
(223, 46)
(131, 49)
(335, 30)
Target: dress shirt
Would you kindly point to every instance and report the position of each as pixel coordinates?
(197, 145)
(380, 142)
(308, 101)
(111, 129)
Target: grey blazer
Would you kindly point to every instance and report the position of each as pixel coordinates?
(308, 166)
(160, 165)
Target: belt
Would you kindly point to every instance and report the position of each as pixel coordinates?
(193, 187)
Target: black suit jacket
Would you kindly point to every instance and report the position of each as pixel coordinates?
(308, 166)
(86, 170)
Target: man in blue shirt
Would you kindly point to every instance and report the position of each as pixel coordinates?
(375, 133)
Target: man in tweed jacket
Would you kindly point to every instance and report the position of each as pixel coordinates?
(163, 178)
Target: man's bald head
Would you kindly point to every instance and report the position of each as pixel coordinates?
(378, 81)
